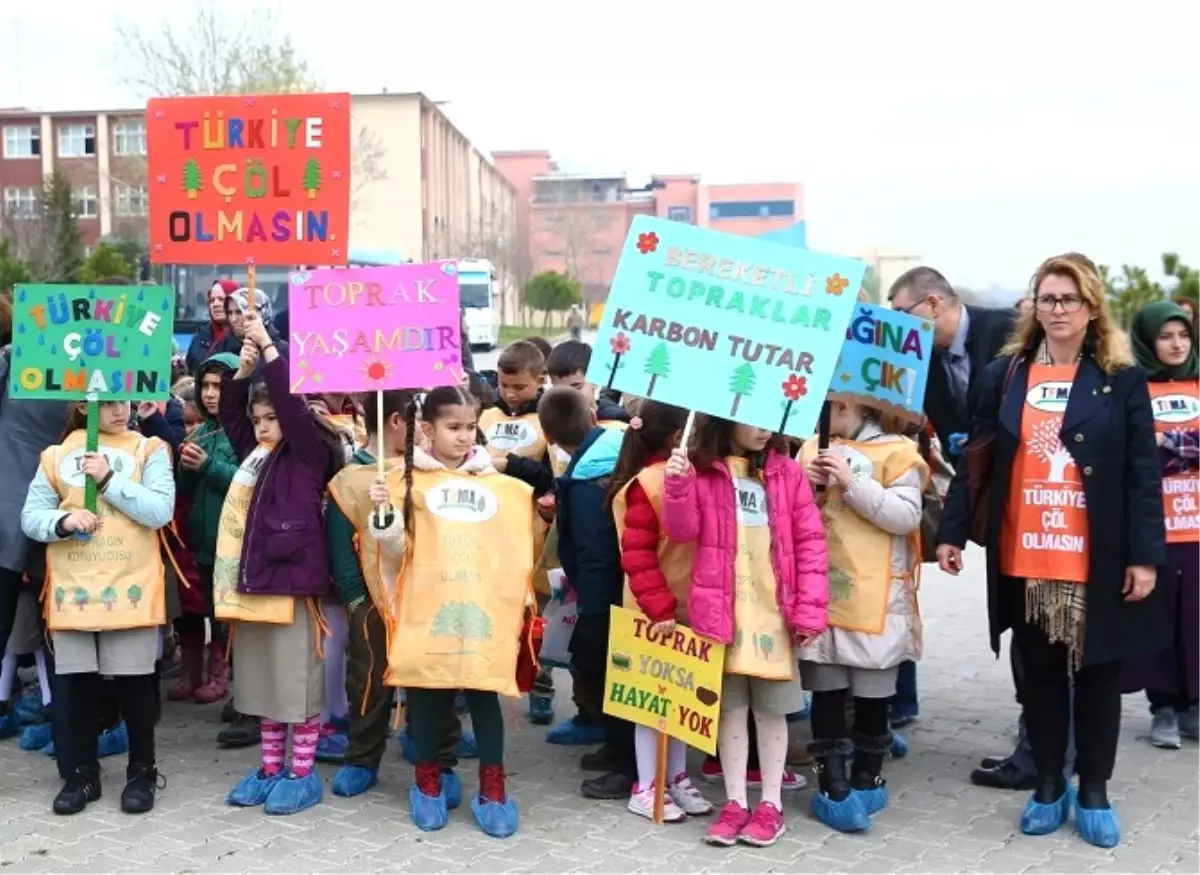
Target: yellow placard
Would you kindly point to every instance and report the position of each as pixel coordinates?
(672, 684)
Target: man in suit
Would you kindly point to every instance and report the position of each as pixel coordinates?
(965, 339)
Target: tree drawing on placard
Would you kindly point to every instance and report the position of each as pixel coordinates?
(109, 597)
(464, 621)
(1046, 445)
(741, 383)
(794, 387)
(841, 584)
(81, 597)
(134, 594)
(658, 364)
(312, 177)
(620, 345)
(766, 643)
(737, 639)
(60, 596)
(192, 182)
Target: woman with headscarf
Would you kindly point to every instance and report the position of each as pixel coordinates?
(1074, 532)
(209, 337)
(1165, 345)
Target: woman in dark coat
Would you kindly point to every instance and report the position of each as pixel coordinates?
(1164, 343)
(1074, 532)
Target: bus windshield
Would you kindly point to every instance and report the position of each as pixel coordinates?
(192, 282)
(475, 291)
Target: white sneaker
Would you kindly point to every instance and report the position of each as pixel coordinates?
(688, 797)
(641, 803)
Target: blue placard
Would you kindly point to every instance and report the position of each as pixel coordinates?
(885, 361)
(727, 325)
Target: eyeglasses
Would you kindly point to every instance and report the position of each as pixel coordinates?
(1048, 303)
(908, 310)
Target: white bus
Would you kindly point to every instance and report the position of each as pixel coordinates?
(479, 295)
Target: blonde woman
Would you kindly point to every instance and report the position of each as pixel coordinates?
(1074, 531)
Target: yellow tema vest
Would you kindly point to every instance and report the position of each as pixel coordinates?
(465, 584)
(860, 553)
(114, 580)
(349, 490)
(674, 560)
(506, 434)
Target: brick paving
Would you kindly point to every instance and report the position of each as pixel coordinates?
(937, 821)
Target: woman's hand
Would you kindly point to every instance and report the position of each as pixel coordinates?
(949, 559)
(1139, 582)
(835, 467)
(248, 359)
(678, 464)
(257, 331)
(82, 521)
(378, 493)
(95, 466)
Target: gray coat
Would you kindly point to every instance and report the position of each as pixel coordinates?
(26, 428)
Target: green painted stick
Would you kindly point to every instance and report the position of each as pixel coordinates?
(93, 444)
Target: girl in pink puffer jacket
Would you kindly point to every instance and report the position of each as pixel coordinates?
(760, 586)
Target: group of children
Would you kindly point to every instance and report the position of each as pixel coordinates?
(334, 577)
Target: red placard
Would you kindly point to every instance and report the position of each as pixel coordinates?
(259, 179)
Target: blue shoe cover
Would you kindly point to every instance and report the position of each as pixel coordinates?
(36, 737)
(496, 819)
(571, 732)
(845, 816)
(1039, 819)
(10, 724)
(1098, 826)
(429, 812)
(332, 748)
(408, 748)
(253, 789)
(899, 748)
(452, 789)
(468, 747)
(460, 704)
(48, 750)
(541, 710)
(295, 794)
(873, 800)
(29, 708)
(113, 742)
(354, 780)
(340, 724)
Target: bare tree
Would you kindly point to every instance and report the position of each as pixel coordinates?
(577, 230)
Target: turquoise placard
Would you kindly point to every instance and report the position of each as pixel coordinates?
(885, 361)
(730, 326)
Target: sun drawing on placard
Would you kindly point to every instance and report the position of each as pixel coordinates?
(376, 372)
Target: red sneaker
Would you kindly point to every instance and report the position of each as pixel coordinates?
(729, 826)
(764, 828)
(711, 770)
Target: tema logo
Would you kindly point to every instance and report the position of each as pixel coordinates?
(70, 469)
(751, 502)
(462, 500)
(1175, 408)
(1049, 397)
(511, 434)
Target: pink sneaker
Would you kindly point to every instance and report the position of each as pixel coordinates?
(711, 771)
(765, 826)
(731, 823)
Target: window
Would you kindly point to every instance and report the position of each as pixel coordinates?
(85, 203)
(679, 214)
(129, 138)
(131, 200)
(77, 141)
(751, 209)
(22, 203)
(22, 141)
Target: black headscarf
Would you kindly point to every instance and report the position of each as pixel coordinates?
(1144, 333)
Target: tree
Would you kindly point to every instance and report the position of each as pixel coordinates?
(12, 269)
(312, 177)
(1187, 279)
(81, 597)
(465, 621)
(551, 291)
(109, 597)
(192, 183)
(58, 251)
(1129, 291)
(870, 286)
(134, 594)
(741, 383)
(105, 261)
(1045, 443)
(658, 364)
(60, 596)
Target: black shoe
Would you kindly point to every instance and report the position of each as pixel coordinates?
(82, 787)
(992, 762)
(867, 765)
(245, 732)
(1006, 776)
(832, 758)
(229, 714)
(614, 785)
(138, 795)
(604, 759)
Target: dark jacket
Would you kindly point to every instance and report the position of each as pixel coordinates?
(587, 536)
(283, 550)
(232, 344)
(1109, 430)
(168, 427)
(608, 411)
(987, 330)
(203, 345)
(340, 534)
(535, 472)
(206, 487)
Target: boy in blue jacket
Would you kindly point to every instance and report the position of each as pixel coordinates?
(591, 559)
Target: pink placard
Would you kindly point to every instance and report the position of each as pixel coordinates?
(363, 329)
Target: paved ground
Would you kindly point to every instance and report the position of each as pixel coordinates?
(937, 822)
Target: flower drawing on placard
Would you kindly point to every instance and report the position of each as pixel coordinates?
(647, 243)
(376, 372)
(619, 345)
(794, 388)
(836, 284)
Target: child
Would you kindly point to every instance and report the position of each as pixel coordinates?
(759, 584)
(466, 579)
(207, 465)
(871, 507)
(567, 366)
(658, 575)
(514, 438)
(270, 549)
(117, 596)
(591, 559)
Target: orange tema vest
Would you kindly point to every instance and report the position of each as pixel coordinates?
(1176, 406)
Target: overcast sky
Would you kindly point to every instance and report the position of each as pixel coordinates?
(983, 137)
